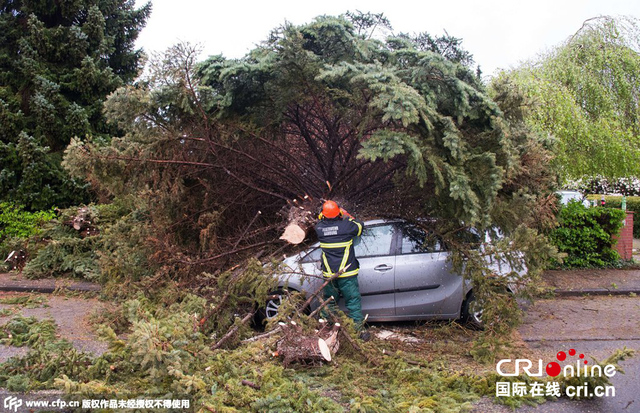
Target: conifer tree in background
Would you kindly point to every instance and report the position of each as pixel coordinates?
(58, 63)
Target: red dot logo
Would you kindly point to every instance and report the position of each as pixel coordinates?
(561, 355)
(581, 356)
(553, 369)
(572, 352)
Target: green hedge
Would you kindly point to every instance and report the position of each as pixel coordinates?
(585, 235)
(17, 225)
(16, 222)
(633, 204)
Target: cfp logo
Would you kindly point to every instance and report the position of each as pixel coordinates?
(12, 402)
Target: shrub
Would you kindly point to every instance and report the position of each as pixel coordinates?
(585, 235)
(16, 222)
(17, 225)
(633, 204)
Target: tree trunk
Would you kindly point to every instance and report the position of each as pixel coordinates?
(300, 218)
(81, 222)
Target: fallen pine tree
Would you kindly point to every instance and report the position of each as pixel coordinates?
(241, 165)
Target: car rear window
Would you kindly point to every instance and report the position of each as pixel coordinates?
(313, 255)
(415, 240)
(374, 241)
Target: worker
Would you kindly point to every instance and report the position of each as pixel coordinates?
(336, 231)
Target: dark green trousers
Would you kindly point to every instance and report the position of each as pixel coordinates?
(346, 287)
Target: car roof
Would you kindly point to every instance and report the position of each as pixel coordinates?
(379, 221)
(370, 222)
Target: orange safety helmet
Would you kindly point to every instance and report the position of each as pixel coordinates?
(330, 209)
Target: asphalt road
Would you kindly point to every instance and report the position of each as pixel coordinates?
(70, 315)
(595, 327)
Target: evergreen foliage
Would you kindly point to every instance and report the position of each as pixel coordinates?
(163, 356)
(21, 331)
(323, 111)
(359, 111)
(48, 358)
(58, 62)
(118, 253)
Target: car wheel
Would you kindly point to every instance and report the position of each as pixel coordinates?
(271, 306)
(471, 313)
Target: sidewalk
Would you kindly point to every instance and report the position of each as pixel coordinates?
(17, 282)
(593, 282)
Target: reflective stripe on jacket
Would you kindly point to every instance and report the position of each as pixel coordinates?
(336, 240)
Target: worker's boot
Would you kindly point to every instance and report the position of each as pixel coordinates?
(365, 335)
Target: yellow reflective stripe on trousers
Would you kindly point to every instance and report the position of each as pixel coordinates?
(336, 244)
(344, 274)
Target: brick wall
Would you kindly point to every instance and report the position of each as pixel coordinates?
(624, 246)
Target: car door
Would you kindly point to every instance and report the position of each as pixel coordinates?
(424, 284)
(373, 250)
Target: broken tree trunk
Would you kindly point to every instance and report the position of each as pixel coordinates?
(300, 218)
(17, 260)
(330, 336)
(295, 347)
(81, 222)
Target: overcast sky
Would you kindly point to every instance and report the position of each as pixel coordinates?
(499, 33)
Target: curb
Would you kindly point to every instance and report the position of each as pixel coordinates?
(48, 288)
(596, 291)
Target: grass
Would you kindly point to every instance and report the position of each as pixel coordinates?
(26, 301)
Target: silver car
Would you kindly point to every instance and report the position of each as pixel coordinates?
(404, 275)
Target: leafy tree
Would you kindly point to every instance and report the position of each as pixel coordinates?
(586, 93)
(58, 62)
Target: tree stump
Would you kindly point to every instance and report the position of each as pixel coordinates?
(294, 347)
(17, 260)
